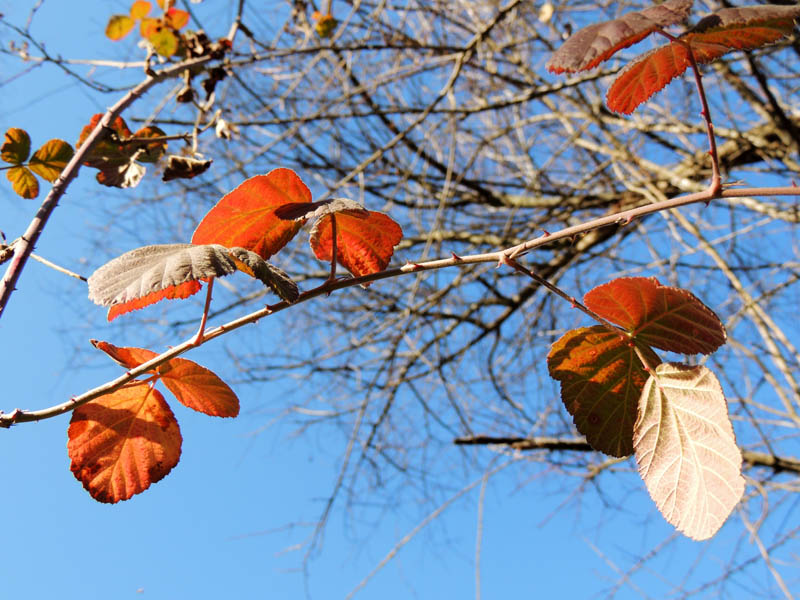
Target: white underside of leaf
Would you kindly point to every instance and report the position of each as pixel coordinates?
(686, 450)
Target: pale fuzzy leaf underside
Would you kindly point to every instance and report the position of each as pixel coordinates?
(686, 449)
(310, 210)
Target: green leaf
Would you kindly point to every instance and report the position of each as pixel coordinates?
(16, 146)
(49, 160)
(601, 381)
(164, 41)
(23, 181)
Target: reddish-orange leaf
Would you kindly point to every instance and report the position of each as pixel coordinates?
(590, 46)
(119, 26)
(658, 315)
(717, 34)
(363, 245)
(246, 216)
(23, 181)
(193, 385)
(122, 442)
(49, 160)
(140, 9)
(176, 292)
(601, 381)
(151, 151)
(176, 18)
(16, 146)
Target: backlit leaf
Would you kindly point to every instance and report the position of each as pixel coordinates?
(657, 315)
(310, 210)
(108, 151)
(122, 442)
(23, 181)
(16, 146)
(686, 449)
(245, 217)
(164, 41)
(325, 24)
(149, 26)
(273, 277)
(363, 245)
(49, 160)
(717, 34)
(601, 381)
(193, 385)
(176, 18)
(591, 45)
(151, 273)
(140, 9)
(119, 26)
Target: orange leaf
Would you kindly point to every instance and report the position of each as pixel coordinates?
(49, 160)
(118, 27)
(363, 245)
(176, 18)
(122, 442)
(107, 152)
(590, 46)
(152, 151)
(601, 381)
(246, 217)
(717, 34)
(149, 26)
(140, 9)
(193, 385)
(23, 181)
(658, 315)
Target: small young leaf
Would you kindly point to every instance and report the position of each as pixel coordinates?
(363, 245)
(590, 46)
(601, 381)
(49, 160)
(245, 217)
(151, 272)
(182, 167)
(119, 26)
(273, 277)
(310, 210)
(325, 24)
(140, 9)
(23, 181)
(16, 146)
(176, 18)
(686, 449)
(658, 315)
(193, 385)
(123, 442)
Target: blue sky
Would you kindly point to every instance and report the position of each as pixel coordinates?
(217, 526)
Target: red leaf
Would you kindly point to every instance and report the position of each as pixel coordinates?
(176, 18)
(151, 273)
(122, 442)
(193, 385)
(363, 245)
(601, 381)
(246, 216)
(657, 315)
(596, 43)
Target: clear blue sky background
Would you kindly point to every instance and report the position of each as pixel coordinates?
(215, 527)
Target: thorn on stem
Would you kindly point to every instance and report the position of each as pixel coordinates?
(456, 256)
